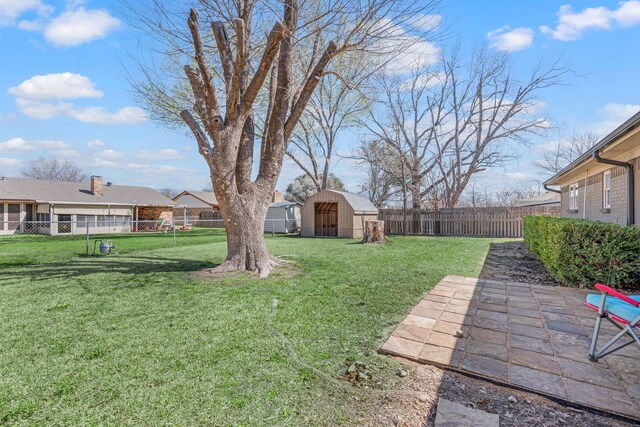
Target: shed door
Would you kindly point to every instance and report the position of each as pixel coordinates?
(326, 219)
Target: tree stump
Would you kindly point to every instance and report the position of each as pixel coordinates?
(373, 232)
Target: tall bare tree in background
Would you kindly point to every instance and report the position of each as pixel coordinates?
(566, 150)
(337, 105)
(242, 66)
(456, 120)
(52, 169)
(383, 178)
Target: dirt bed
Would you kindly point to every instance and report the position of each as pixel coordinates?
(412, 402)
(513, 261)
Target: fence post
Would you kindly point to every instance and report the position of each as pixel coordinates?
(87, 238)
(174, 232)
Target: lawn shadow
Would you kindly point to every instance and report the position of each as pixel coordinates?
(81, 267)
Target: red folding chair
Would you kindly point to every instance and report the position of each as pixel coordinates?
(622, 311)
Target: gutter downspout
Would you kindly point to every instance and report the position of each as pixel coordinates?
(630, 184)
(553, 190)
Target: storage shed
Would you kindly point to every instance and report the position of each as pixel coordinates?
(283, 217)
(331, 213)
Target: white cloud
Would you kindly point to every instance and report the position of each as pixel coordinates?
(76, 27)
(408, 50)
(613, 115)
(571, 24)
(10, 10)
(95, 143)
(9, 162)
(507, 39)
(518, 176)
(21, 145)
(56, 86)
(98, 115)
(427, 22)
(7, 117)
(33, 96)
(42, 110)
(163, 154)
(628, 14)
(110, 154)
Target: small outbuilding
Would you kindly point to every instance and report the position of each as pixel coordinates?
(283, 217)
(331, 213)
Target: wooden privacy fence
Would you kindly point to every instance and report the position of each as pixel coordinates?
(476, 222)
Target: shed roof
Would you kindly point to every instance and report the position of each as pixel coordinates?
(207, 197)
(358, 203)
(284, 204)
(79, 192)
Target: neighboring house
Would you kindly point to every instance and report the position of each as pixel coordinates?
(331, 213)
(545, 199)
(283, 217)
(197, 205)
(53, 207)
(604, 183)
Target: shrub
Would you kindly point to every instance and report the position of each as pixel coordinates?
(583, 252)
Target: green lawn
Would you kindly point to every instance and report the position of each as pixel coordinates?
(132, 338)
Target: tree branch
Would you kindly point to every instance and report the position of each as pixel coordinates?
(226, 58)
(278, 32)
(307, 90)
(201, 138)
(194, 26)
(233, 96)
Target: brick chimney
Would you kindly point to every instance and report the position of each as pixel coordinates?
(277, 197)
(96, 185)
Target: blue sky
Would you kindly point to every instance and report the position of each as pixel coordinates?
(63, 90)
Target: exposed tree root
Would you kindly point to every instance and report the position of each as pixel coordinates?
(238, 266)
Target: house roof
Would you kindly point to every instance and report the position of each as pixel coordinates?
(79, 193)
(625, 127)
(548, 198)
(284, 204)
(206, 196)
(358, 203)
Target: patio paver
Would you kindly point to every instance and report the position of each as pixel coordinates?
(531, 336)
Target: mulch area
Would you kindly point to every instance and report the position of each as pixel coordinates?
(513, 262)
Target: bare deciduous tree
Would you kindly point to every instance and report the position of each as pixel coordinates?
(52, 169)
(453, 121)
(566, 150)
(505, 195)
(382, 182)
(337, 105)
(243, 67)
(169, 192)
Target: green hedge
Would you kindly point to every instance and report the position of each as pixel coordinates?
(583, 252)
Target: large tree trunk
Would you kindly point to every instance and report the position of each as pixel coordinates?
(243, 218)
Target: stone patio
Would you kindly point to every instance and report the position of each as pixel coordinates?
(534, 337)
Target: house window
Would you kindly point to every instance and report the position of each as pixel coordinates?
(84, 220)
(606, 190)
(573, 196)
(103, 221)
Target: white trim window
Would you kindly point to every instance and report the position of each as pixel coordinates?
(606, 189)
(573, 196)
